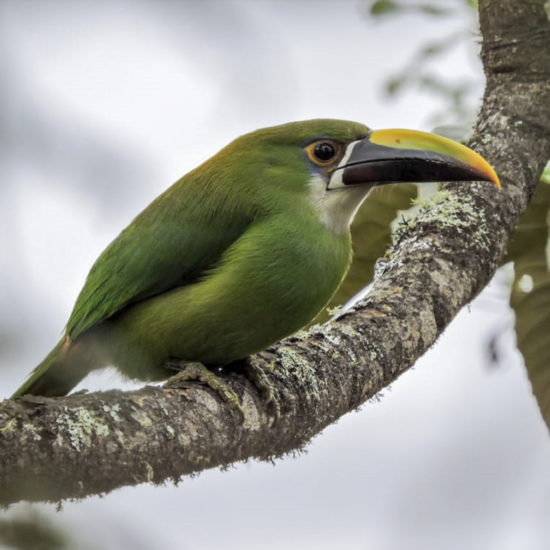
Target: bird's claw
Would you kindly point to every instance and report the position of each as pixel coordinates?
(260, 380)
(199, 373)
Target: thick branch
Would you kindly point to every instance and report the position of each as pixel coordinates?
(90, 443)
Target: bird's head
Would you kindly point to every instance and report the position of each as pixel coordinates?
(333, 164)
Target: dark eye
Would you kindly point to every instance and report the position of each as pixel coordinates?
(324, 151)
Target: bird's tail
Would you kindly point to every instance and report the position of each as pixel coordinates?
(58, 373)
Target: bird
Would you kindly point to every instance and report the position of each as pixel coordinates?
(241, 252)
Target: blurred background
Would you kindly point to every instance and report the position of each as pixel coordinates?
(102, 106)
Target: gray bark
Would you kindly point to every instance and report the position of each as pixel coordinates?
(51, 449)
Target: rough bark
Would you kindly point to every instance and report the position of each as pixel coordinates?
(85, 444)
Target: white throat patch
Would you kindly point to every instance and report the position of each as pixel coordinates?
(336, 207)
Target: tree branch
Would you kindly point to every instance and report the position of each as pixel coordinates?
(85, 444)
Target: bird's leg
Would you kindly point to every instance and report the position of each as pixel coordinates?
(198, 372)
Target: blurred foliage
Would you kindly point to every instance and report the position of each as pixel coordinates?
(371, 232)
(459, 97)
(32, 531)
(530, 297)
(386, 7)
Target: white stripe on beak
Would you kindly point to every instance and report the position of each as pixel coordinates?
(335, 181)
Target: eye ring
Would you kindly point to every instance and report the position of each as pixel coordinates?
(322, 153)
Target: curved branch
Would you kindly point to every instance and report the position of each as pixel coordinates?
(85, 444)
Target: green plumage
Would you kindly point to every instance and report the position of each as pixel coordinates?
(231, 258)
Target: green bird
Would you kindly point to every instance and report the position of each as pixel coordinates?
(242, 251)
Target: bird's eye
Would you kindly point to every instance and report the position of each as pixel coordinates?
(324, 151)
(321, 153)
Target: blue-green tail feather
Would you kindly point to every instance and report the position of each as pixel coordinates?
(53, 377)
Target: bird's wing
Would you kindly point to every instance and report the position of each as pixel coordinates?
(153, 254)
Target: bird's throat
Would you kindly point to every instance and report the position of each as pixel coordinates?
(336, 208)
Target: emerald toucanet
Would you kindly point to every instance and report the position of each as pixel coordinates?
(244, 250)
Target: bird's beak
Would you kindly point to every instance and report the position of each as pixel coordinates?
(394, 156)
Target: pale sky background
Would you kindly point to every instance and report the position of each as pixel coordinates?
(105, 104)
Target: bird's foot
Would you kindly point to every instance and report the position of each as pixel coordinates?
(198, 372)
(259, 378)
